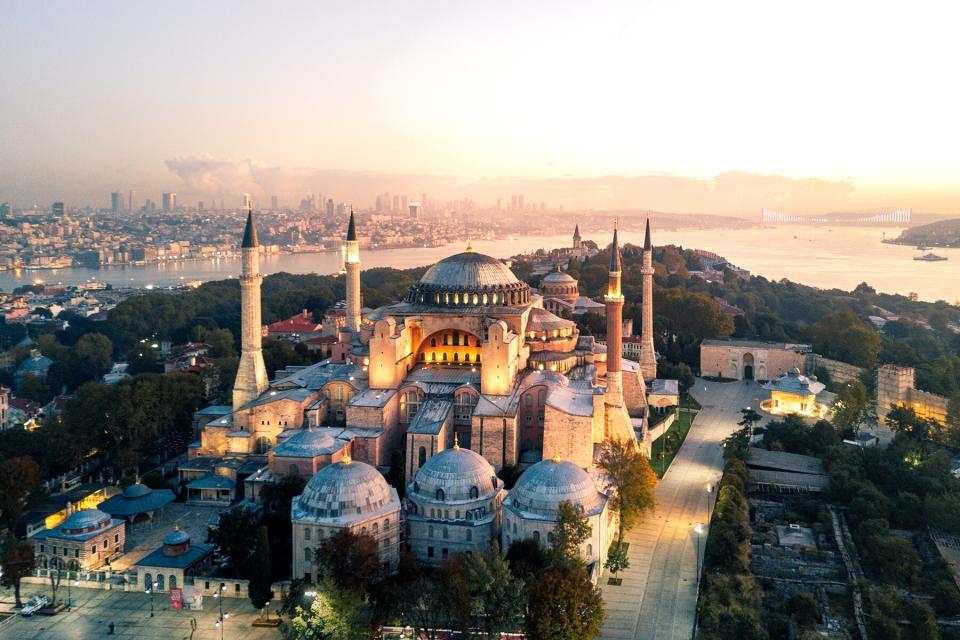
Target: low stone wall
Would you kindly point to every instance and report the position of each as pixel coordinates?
(661, 427)
(928, 405)
(233, 588)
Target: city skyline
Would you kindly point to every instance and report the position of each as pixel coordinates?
(684, 107)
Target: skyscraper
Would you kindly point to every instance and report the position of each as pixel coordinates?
(57, 209)
(131, 201)
(330, 207)
(116, 202)
(169, 202)
(415, 210)
(274, 203)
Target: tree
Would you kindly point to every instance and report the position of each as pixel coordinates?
(569, 534)
(260, 574)
(804, 609)
(308, 624)
(749, 418)
(351, 559)
(564, 605)
(845, 337)
(680, 372)
(527, 558)
(498, 596)
(923, 622)
(617, 559)
(630, 474)
(235, 535)
(19, 477)
(17, 561)
(851, 408)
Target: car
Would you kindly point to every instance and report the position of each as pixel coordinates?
(34, 604)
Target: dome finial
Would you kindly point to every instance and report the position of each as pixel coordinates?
(469, 246)
(556, 456)
(346, 459)
(456, 441)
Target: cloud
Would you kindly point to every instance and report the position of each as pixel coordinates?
(732, 192)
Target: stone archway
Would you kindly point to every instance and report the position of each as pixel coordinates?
(748, 366)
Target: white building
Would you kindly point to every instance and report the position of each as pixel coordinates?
(531, 508)
(344, 495)
(453, 505)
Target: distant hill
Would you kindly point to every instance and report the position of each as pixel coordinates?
(944, 233)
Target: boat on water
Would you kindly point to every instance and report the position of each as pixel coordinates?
(923, 247)
(931, 257)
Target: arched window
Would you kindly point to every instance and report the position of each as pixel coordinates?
(409, 404)
(456, 357)
(441, 496)
(446, 533)
(469, 535)
(422, 456)
(430, 531)
(386, 524)
(463, 405)
(466, 358)
(589, 551)
(433, 342)
(173, 581)
(474, 493)
(263, 444)
(536, 536)
(159, 582)
(375, 529)
(412, 509)
(147, 582)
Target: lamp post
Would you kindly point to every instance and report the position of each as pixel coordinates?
(698, 530)
(150, 590)
(69, 592)
(709, 491)
(223, 616)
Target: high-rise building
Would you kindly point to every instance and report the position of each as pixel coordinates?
(396, 204)
(404, 203)
(200, 205)
(274, 203)
(415, 210)
(57, 209)
(131, 201)
(169, 202)
(330, 207)
(5, 209)
(378, 207)
(116, 202)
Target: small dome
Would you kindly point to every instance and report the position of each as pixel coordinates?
(176, 537)
(545, 485)
(456, 472)
(541, 320)
(86, 519)
(344, 489)
(137, 490)
(469, 270)
(558, 277)
(309, 442)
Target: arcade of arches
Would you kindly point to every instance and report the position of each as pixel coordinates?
(451, 346)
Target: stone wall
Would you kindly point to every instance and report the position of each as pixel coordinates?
(839, 371)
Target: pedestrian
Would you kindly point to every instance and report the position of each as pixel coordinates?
(111, 628)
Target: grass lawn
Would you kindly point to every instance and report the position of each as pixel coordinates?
(666, 446)
(687, 401)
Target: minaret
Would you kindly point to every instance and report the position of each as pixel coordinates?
(577, 242)
(648, 357)
(251, 378)
(351, 262)
(614, 303)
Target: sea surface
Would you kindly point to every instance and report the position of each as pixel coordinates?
(827, 257)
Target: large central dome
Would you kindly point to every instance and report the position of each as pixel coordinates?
(469, 279)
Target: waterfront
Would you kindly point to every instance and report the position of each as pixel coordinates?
(826, 257)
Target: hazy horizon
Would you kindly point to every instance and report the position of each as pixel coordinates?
(672, 106)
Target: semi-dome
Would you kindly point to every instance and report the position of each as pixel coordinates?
(469, 279)
(85, 520)
(344, 490)
(460, 474)
(544, 486)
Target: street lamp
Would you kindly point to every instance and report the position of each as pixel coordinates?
(709, 491)
(150, 590)
(699, 531)
(223, 616)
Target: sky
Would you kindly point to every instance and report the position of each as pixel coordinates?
(673, 105)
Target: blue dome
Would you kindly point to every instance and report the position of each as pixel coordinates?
(137, 490)
(175, 537)
(86, 519)
(545, 485)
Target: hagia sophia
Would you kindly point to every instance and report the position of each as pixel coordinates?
(470, 373)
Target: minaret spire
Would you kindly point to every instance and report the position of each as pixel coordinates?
(648, 357)
(352, 267)
(251, 378)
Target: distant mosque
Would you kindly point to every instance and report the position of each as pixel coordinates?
(467, 375)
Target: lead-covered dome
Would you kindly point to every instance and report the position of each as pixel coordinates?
(544, 486)
(469, 279)
(86, 520)
(343, 490)
(558, 277)
(456, 475)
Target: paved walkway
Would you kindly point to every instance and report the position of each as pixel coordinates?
(657, 599)
(95, 609)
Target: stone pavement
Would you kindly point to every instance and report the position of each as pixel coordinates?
(657, 599)
(95, 609)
